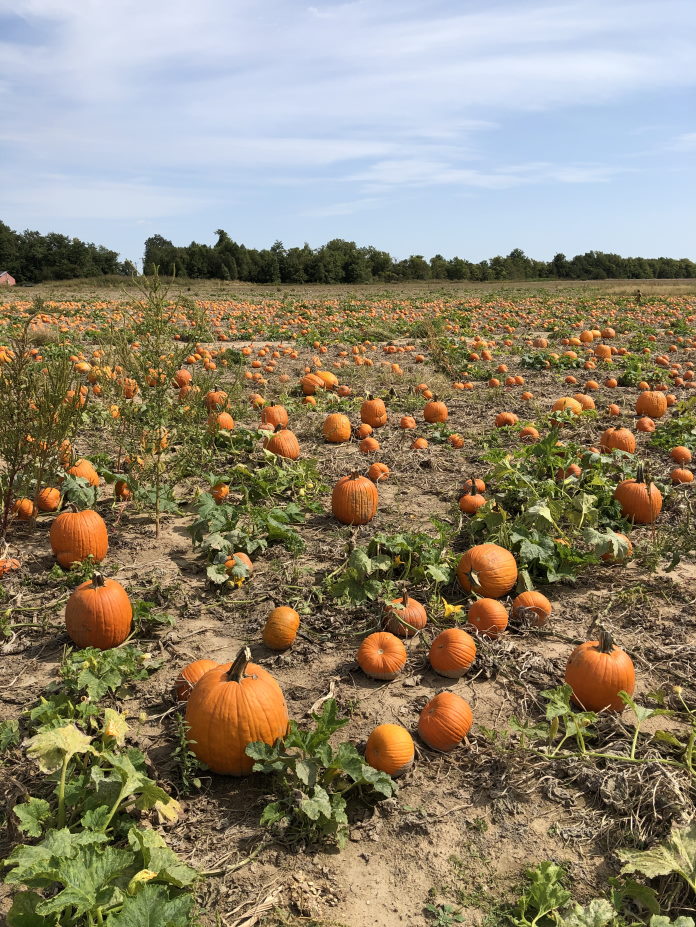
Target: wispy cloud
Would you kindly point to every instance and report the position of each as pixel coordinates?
(160, 108)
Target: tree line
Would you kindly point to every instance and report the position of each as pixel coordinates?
(341, 261)
(34, 258)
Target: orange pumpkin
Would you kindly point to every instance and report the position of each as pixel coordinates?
(75, 536)
(533, 606)
(597, 671)
(640, 501)
(445, 721)
(404, 616)
(452, 653)
(390, 749)
(381, 655)
(354, 500)
(336, 428)
(189, 676)
(488, 570)
(232, 706)
(281, 627)
(98, 613)
(488, 616)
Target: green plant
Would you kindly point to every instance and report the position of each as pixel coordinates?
(314, 782)
(187, 763)
(443, 915)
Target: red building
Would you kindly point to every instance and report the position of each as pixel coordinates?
(6, 278)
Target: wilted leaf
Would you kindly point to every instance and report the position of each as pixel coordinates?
(50, 747)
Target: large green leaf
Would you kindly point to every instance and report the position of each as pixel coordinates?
(153, 907)
(677, 854)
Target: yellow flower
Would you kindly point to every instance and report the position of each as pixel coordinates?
(451, 609)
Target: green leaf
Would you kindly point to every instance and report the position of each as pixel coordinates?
(318, 804)
(23, 911)
(545, 892)
(96, 818)
(88, 879)
(160, 859)
(558, 702)
(9, 734)
(32, 816)
(659, 920)
(217, 573)
(153, 906)
(676, 854)
(598, 913)
(49, 748)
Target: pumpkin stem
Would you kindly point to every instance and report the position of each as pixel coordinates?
(354, 475)
(98, 580)
(606, 641)
(404, 595)
(277, 428)
(640, 474)
(238, 669)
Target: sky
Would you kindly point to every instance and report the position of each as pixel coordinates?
(424, 126)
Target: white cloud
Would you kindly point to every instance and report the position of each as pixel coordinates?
(216, 95)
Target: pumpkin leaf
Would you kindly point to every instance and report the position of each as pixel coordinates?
(659, 920)
(676, 854)
(50, 748)
(558, 702)
(153, 906)
(598, 913)
(9, 734)
(32, 816)
(23, 911)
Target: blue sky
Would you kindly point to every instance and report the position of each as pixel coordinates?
(466, 128)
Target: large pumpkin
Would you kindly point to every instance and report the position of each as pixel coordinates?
(274, 415)
(639, 500)
(619, 439)
(374, 413)
(354, 500)
(488, 570)
(231, 707)
(98, 613)
(283, 443)
(445, 721)
(85, 469)
(390, 749)
(651, 403)
(597, 671)
(75, 536)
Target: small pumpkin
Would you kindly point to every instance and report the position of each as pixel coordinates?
(452, 653)
(619, 439)
(84, 468)
(471, 501)
(680, 454)
(98, 613)
(610, 557)
(232, 706)
(189, 676)
(681, 475)
(651, 403)
(390, 749)
(239, 565)
(435, 411)
(488, 570)
(378, 471)
(24, 509)
(445, 721)
(381, 655)
(275, 415)
(533, 606)
(567, 404)
(404, 616)
(75, 536)
(354, 500)
(488, 616)
(597, 671)
(336, 428)
(281, 627)
(48, 499)
(215, 400)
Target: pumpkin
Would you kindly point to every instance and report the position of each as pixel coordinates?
(533, 606)
(8, 565)
(390, 749)
(476, 484)
(586, 402)
(681, 475)
(597, 671)
(283, 443)
(452, 653)
(567, 404)
(240, 563)
(610, 557)
(122, 490)
(445, 721)
(435, 411)
(651, 403)
(220, 421)
(455, 441)
(488, 570)
(680, 454)
(232, 706)
(220, 492)
(373, 412)
(472, 501)
(189, 676)
(98, 613)
(354, 500)
(378, 471)
(311, 383)
(280, 629)
(330, 380)
(369, 445)
(75, 536)
(84, 469)
(336, 428)
(215, 400)
(529, 434)
(488, 616)
(381, 655)
(645, 424)
(640, 501)
(505, 419)
(407, 422)
(619, 439)
(404, 616)
(48, 499)
(24, 509)
(419, 444)
(275, 415)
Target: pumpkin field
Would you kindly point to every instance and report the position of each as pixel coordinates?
(347, 608)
